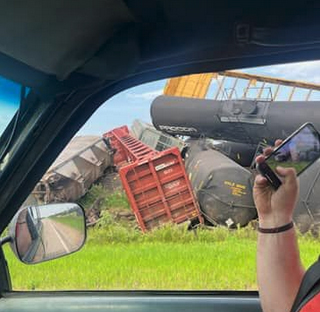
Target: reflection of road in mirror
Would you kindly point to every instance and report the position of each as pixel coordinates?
(59, 238)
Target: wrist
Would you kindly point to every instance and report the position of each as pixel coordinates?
(274, 221)
(275, 230)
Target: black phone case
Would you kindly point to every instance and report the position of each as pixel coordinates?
(267, 172)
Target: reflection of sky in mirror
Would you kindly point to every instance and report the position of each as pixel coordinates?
(54, 209)
(9, 101)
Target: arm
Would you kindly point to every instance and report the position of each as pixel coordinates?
(278, 262)
(279, 270)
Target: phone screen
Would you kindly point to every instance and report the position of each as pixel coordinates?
(299, 151)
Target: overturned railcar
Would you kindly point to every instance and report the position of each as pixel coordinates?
(154, 138)
(244, 121)
(242, 153)
(80, 164)
(223, 187)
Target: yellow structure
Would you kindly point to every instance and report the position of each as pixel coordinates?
(197, 86)
(194, 86)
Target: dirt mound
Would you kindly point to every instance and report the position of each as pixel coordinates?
(93, 214)
(111, 183)
(111, 180)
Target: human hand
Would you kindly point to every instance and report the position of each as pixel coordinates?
(275, 208)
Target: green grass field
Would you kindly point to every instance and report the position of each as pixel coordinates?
(170, 258)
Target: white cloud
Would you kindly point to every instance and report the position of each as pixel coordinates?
(149, 96)
(305, 71)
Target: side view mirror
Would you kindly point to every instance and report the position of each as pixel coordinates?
(42, 233)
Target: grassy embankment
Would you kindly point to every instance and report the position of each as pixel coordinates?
(118, 256)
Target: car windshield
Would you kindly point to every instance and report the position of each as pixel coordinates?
(9, 102)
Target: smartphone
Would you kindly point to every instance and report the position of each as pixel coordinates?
(300, 150)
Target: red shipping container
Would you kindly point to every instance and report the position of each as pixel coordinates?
(159, 190)
(120, 156)
(127, 148)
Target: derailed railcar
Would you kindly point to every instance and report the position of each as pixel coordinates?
(244, 121)
(154, 138)
(223, 187)
(80, 164)
(242, 153)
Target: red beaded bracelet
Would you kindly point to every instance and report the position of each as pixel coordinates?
(279, 229)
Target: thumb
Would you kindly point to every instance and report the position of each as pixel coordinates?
(289, 174)
(260, 181)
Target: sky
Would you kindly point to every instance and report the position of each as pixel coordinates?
(9, 101)
(123, 108)
(6, 114)
(135, 103)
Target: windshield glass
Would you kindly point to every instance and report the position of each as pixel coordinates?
(9, 101)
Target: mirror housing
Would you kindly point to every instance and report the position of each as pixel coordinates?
(42, 233)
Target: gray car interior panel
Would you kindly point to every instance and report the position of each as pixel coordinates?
(45, 37)
(141, 301)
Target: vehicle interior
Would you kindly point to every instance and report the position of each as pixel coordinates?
(72, 56)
